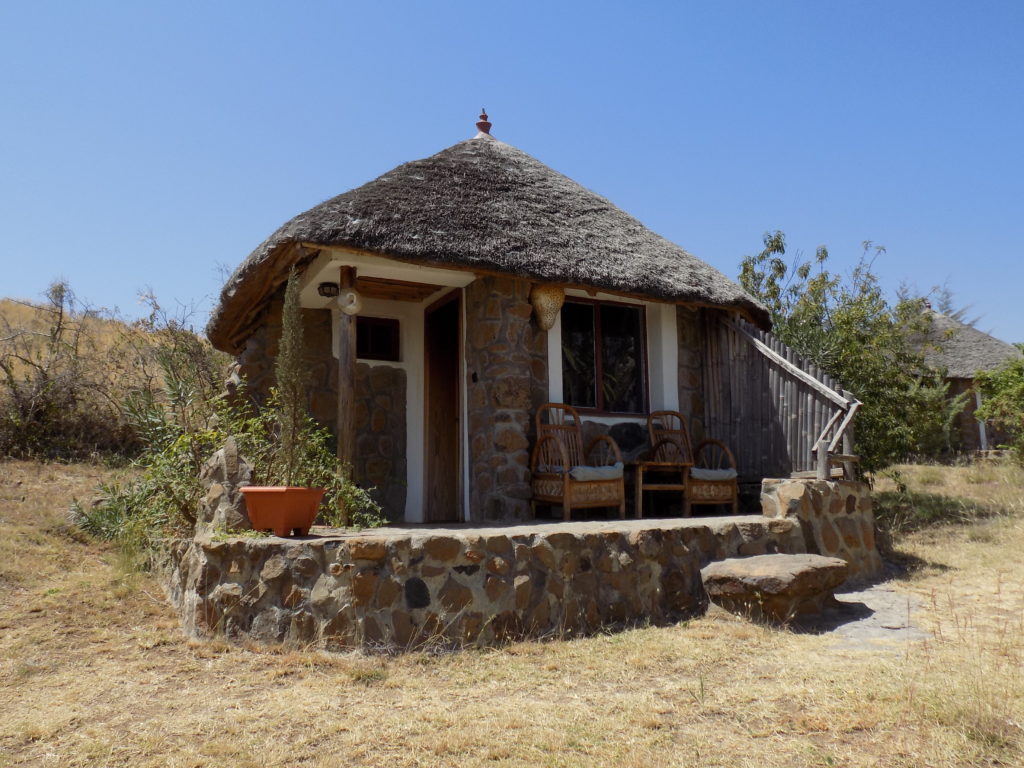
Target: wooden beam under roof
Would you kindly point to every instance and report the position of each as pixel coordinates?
(394, 290)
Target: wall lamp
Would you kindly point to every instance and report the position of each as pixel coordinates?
(328, 290)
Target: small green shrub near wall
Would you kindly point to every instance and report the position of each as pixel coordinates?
(183, 422)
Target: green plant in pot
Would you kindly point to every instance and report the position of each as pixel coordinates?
(293, 462)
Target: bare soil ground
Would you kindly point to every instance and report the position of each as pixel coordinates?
(94, 670)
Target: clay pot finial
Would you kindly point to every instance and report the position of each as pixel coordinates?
(483, 126)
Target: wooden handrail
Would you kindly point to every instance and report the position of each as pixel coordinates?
(828, 428)
(834, 445)
(827, 450)
(791, 369)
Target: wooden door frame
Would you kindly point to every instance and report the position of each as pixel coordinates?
(455, 295)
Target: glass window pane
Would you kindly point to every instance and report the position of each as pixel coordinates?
(578, 374)
(622, 358)
(377, 338)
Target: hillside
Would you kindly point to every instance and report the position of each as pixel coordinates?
(69, 376)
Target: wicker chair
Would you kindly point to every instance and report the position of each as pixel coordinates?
(666, 466)
(712, 478)
(562, 473)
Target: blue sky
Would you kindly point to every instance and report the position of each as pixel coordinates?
(153, 145)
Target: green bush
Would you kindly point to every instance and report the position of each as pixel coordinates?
(1002, 402)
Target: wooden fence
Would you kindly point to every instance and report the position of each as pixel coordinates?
(776, 411)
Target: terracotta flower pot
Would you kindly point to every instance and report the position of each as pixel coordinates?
(282, 509)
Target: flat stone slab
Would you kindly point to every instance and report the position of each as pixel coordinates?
(775, 587)
(875, 618)
(717, 524)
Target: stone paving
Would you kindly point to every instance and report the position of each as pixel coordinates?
(877, 617)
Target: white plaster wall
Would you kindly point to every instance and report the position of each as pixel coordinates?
(464, 410)
(663, 356)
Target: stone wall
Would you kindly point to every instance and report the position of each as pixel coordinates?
(256, 360)
(379, 407)
(836, 517)
(507, 379)
(484, 586)
(380, 460)
(690, 333)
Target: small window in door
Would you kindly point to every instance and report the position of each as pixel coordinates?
(377, 338)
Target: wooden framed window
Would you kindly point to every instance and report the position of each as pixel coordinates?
(377, 338)
(604, 365)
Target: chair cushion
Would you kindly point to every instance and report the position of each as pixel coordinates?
(712, 474)
(583, 474)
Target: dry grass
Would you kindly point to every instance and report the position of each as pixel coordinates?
(104, 335)
(94, 672)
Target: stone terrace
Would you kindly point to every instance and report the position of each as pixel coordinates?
(403, 587)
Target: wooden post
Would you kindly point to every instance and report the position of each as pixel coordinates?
(824, 471)
(849, 470)
(346, 374)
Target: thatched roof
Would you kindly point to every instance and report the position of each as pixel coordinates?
(963, 350)
(484, 205)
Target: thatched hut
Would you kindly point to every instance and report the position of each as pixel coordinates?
(434, 310)
(961, 351)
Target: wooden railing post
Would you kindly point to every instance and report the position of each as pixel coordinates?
(824, 471)
(849, 471)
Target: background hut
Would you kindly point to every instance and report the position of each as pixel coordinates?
(961, 351)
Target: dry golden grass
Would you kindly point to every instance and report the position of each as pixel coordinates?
(95, 672)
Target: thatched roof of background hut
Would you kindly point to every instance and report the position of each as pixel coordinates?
(963, 350)
(484, 205)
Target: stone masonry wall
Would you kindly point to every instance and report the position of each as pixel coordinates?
(966, 433)
(507, 379)
(379, 407)
(380, 460)
(256, 361)
(401, 589)
(690, 332)
(836, 517)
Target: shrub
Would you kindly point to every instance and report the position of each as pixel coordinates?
(60, 373)
(1003, 401)
(187, 418)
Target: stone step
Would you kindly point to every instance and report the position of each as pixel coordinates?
(774, 588)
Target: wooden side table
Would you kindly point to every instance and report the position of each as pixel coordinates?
(660, 484)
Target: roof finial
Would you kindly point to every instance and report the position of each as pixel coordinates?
(483, 126)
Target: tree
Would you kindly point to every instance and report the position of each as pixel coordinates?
(848, 328)
(1002, 392)
(289, 397)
